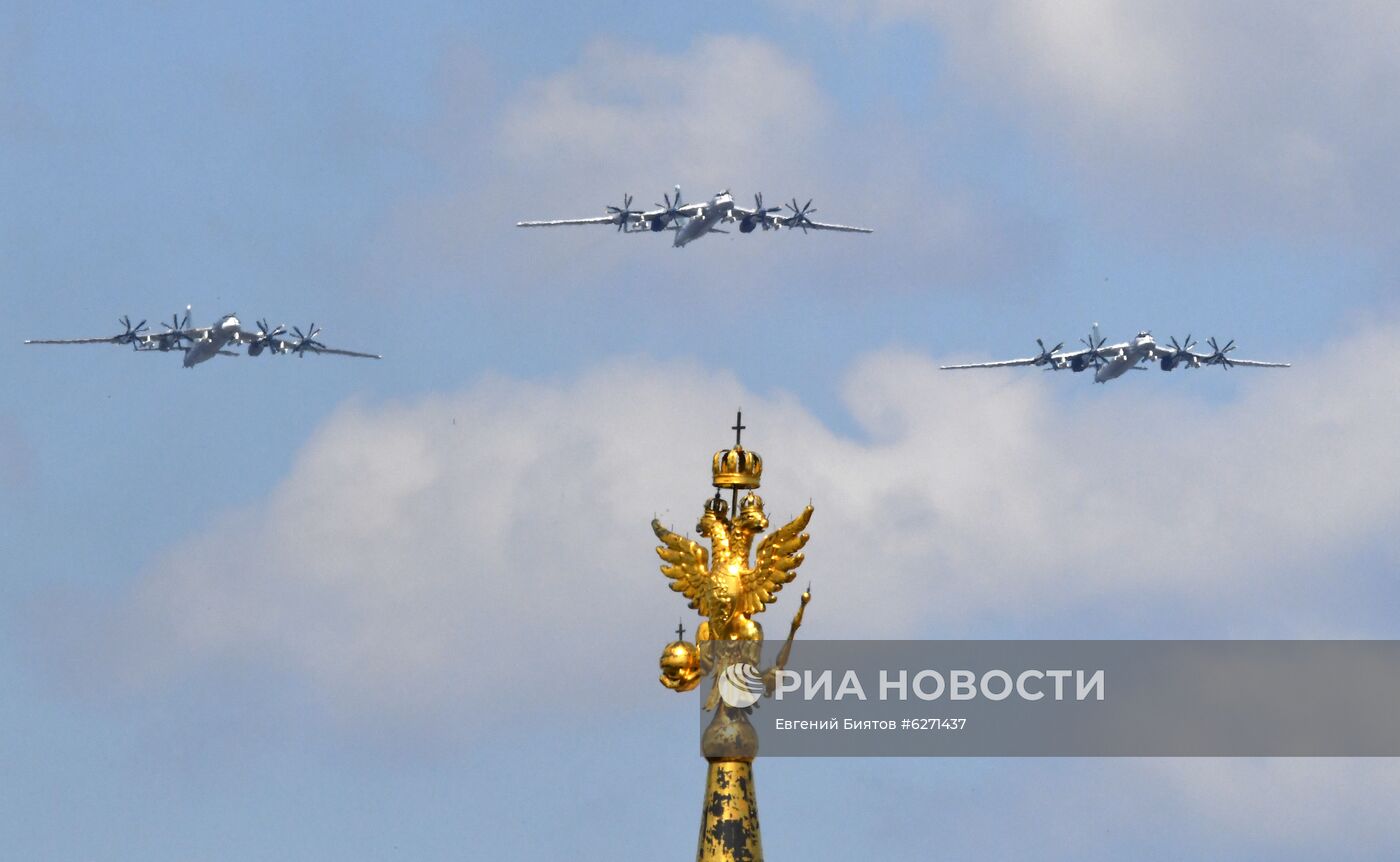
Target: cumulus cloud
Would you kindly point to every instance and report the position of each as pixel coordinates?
(731, 109)
(422, 555)
(1217, 112)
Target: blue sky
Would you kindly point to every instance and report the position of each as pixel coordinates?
(312, 609)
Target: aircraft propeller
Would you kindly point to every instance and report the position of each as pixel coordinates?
(1183, 353)
(132, 335)
(175, 330)
(1217, 356)
(671, 208)
(799, 214)
(760, 212)
(1047, 357)
(1094, 342)
(307, 341)
(266, 337)
(624, 213)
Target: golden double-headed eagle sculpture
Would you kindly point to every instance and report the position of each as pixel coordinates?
(720, 583)
(728, 592)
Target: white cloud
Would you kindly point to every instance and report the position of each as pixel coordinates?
(421, 556)
(730, 110)
(1272, 113)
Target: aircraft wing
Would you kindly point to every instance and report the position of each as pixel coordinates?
(145, 339)
(817, 225)
(556, 222)
(790, 221)
(284, 346)
(1204, 359)
(349, 353)
(1105, 349)
(1057, 361)
(737, 212)
(112, 339)
(1070, 354)
(1249, 363)
(1030, 360)
(188, 334)
(686, 210)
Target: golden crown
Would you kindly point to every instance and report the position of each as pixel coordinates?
(736, 468)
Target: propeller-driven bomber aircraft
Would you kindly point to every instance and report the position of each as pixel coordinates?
(206, 342)
(1114, 360)
(692, 221)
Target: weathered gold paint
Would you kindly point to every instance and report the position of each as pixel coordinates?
(729, 822)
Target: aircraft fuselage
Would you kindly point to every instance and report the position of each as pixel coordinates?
(210, 343)
(1142, 347)
(716, 211)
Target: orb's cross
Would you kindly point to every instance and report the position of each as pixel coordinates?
(738, 426)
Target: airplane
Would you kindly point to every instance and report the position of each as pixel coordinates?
(205, 342)
(692, 221)
(1114, 360)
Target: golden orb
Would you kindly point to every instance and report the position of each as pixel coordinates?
(680, 666)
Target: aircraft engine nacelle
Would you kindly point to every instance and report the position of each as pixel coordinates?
(747, 225)
(1076, 363)
(254, 349)
(658, 224)
(1168, 363)
(163, 345)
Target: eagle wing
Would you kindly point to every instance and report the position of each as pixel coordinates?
(685, 563)
(775, 564)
